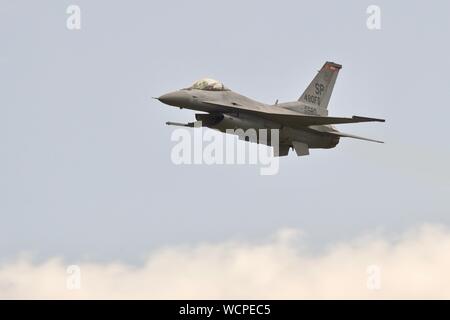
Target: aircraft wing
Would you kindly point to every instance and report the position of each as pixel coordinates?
(298, 121)
(291, 118)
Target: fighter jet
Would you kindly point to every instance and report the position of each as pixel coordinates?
(303, 124)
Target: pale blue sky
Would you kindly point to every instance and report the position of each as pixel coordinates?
(85, 170)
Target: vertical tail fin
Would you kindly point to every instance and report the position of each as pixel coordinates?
(319, 90)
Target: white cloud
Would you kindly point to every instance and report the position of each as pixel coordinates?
(415, 265)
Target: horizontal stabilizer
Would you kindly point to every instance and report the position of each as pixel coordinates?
(347, 135)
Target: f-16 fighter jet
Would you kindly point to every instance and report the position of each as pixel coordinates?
(303, 124)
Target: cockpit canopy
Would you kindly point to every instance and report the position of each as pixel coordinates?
(209, 85)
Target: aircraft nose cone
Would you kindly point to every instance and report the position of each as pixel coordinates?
(176, 98)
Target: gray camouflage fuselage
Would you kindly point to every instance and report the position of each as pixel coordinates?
(220, 118)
